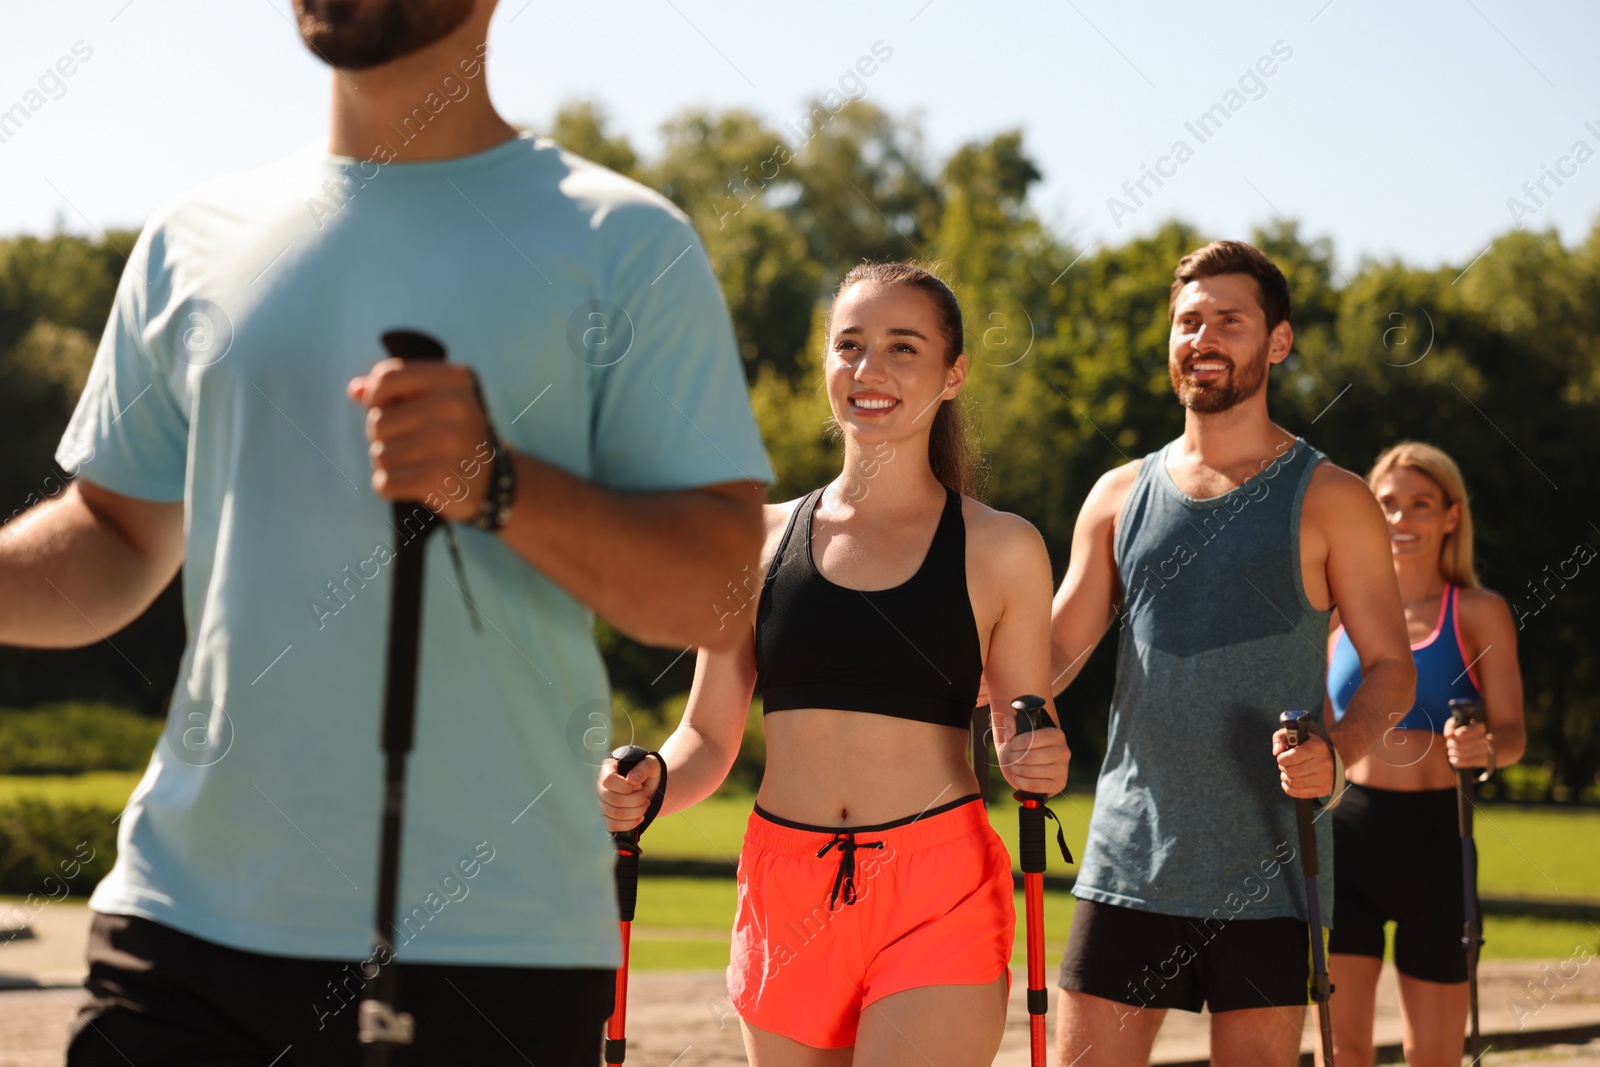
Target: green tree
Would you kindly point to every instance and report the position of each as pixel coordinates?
(581, 127)
(1497, 363)
(866, 190)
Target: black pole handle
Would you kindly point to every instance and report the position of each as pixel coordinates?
(412, 522)
(1031, 815)
(1463, 713)
(424, 348)
(380, 1022)
(413, 344)
(1031, 715)
(627, 841)
(1297, 724)
(628, 757)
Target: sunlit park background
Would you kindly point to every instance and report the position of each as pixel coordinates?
(1426, 178)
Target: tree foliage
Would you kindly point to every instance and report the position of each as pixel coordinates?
(1498, 364)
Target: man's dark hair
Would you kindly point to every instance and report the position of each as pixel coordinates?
(1235, 257)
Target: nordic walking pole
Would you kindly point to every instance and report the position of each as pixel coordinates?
(1465, 713)
(628, 852)
(1295, 722)
(382, 1024)
(1030, 827)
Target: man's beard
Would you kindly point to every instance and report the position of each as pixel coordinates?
(1235, 387)
(357, 36)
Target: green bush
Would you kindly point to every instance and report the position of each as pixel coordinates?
(71, 738)
(48, 851)
(650, 726)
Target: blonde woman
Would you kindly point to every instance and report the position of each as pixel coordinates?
(1395, 832)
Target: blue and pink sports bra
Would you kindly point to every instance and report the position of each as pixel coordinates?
(1443, 673)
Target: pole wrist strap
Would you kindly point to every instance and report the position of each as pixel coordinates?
(657, 800)
(1332, 799)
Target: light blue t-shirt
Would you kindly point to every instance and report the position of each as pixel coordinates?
(588, 308)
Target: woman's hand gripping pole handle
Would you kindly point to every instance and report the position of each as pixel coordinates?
(627, 841)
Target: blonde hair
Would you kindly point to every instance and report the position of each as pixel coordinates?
(1455, 554)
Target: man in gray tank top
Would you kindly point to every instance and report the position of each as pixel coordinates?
(1219, 557)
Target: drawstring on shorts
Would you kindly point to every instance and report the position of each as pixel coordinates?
(845, 879)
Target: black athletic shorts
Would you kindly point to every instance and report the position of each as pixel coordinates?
(161, 996)
(1169, 961)
(1399, 861)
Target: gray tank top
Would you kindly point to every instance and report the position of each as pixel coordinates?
(1217, 639)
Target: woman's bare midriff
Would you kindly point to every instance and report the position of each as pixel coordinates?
(1406, 761)
(846, 768)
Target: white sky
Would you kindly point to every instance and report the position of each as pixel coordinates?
(1398, 130)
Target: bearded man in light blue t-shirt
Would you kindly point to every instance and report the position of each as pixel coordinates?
(589, 443)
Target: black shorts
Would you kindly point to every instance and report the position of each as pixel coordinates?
(1169, 961)
(1399, 861)
(161, 996)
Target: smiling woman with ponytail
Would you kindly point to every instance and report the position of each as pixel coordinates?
(951, 456)
(875, 908)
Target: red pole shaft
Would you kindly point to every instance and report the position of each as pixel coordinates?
(617, 1025)
(1033, 906)
(1033, 893)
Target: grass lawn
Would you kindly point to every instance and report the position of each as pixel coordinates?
(713, 829)
(1537, 852)
(108, 789)
(1521, 851)
(683, 924)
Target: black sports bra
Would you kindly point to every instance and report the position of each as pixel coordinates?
(911, 651)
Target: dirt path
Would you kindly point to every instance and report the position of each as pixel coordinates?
(685, 1020)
